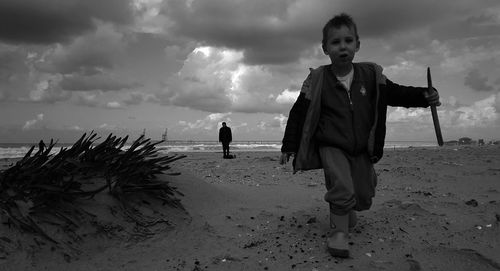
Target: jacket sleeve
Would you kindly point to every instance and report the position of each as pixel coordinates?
(296, 118)
(293, 130)
(405, 96)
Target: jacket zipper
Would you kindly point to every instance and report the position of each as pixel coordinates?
(350, 100)
(351, 105)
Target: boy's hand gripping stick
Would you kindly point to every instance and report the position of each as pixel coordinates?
(435, 118)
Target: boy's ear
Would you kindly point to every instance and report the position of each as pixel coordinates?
(358, 44)
(324, 50)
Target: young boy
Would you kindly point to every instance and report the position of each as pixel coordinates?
(338, 124)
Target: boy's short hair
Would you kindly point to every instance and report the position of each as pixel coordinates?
(336, 22)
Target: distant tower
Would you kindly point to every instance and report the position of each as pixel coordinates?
(164, 135)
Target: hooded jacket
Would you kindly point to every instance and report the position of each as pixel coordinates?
(305, 114)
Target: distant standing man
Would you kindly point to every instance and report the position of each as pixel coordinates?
(225, 137)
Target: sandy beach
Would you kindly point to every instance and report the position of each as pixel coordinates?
(435, 209)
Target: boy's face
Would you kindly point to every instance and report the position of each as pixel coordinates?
(341, 45)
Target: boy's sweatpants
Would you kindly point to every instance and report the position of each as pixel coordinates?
(350, 180)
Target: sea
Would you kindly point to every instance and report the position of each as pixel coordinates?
(17, 150)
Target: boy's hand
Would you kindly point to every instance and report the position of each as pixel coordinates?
(432, 98)
(285, 157)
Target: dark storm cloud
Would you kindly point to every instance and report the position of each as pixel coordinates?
(14, 72)
(96, 82)
(278, 31)
(477, 82)
(51, 21)
(391, 18)
(209, 102)
(198, 100)
(481, 25)
(194, 95)
(88, 63)
(385, 18)
(411, 25)
(134, 99)
(86, 55)
(259, 28)
(12, 62)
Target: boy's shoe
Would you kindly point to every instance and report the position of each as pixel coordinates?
(337, 244)
(337, 240)
(353, 220)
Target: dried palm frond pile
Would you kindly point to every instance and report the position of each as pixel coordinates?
(53, 186)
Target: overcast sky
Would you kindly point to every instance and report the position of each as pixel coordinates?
(116, 66)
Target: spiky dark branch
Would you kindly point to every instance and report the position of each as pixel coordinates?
(42, 181)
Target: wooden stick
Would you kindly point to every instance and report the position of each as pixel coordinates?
(435, 118)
